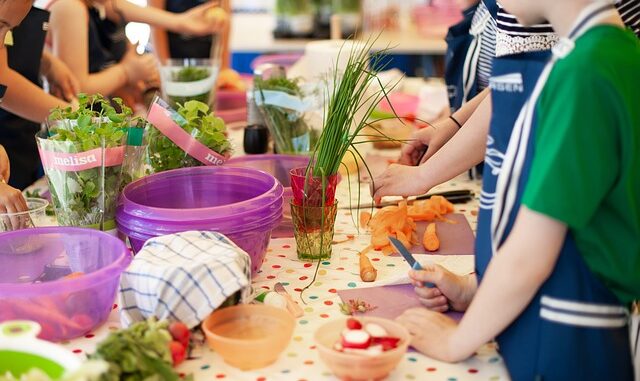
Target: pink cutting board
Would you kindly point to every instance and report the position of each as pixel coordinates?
(390, 301)
(455, 239)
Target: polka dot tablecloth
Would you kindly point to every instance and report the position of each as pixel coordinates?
(300, 360)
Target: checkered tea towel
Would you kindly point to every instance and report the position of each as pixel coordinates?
(183, 277)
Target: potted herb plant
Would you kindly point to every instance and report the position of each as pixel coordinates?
(189, 79)
(281, 103)
(294, 18)
(82, 153)
(353, 95)
(187, 137)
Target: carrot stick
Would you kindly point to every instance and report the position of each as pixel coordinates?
(368, 273)
(430, 239)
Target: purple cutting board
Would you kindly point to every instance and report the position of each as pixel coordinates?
(391, 301)
(455, 239)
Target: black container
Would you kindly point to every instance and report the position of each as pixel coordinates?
(256, 139)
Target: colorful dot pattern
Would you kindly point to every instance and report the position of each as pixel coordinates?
(300, 361)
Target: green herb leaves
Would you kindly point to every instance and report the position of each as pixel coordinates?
(196, 119)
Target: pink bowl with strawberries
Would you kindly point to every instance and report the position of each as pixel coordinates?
(366, 348)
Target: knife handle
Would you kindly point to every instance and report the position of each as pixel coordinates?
(292, 306)
(416, 266)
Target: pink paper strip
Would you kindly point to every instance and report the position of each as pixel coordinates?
(73, 162)
(160, 118)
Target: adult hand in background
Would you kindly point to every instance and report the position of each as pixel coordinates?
(203, 20)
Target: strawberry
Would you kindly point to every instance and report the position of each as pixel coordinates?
(178, 352)
(180, 332)
(353, 324)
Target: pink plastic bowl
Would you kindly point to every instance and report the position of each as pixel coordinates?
(64, 278)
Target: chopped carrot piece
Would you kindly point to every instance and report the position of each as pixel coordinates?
(430, 239)
(405, 241)
(388, 250)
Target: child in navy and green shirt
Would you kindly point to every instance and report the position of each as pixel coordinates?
(558, 257)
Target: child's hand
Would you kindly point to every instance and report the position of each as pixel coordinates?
(5, 166)
(398, 180)
(431, 333)
(451, 291)
(12, 201)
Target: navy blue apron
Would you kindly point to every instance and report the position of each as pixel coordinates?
(574, 327)
(107, 42)
(17, 134)
(458, 41)
(184, 46)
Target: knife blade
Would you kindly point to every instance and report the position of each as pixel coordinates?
(455, 197)
(408, 257)
(292, 306)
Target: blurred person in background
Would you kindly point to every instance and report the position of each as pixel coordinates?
(88, 35)
(167, 44)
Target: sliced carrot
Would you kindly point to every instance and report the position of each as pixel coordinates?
(388, 250)
(379, 240)
(404, 239)
(430, 239)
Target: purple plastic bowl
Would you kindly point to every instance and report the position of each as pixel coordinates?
(237, 202)
(200, 193)
(33, 267)
(254, 242)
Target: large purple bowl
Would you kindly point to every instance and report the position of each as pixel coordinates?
(64, 278)
(244, 204)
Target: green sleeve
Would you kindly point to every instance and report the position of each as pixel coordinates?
(576, 159)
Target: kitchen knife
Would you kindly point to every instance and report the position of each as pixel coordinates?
(455, 197)
(408, 257)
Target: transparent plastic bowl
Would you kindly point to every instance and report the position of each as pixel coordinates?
(189, 79)
(63, 278)
(36, 216)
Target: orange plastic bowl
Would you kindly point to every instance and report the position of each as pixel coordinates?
(355, 367)
(249, 336)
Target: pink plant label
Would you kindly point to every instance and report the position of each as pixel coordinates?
(161, 119)
(74, 162)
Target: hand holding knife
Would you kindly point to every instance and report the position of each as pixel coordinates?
(408, 257)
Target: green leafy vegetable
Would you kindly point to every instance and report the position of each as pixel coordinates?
(190, 74)
(86, 197)
(290, 132)
(197, 120)
(140, 352)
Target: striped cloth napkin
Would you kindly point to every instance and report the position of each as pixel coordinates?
(183, 277)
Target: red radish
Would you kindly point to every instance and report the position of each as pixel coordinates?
(388, 343)
(178, 352)
(375, 330)
(180, 332)
(353, 324)
(356, 339)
